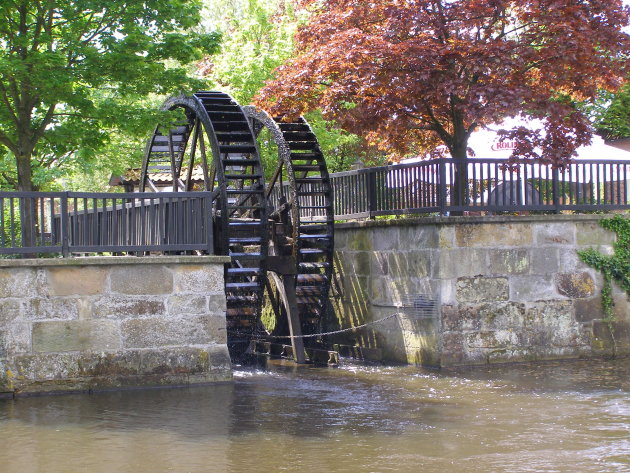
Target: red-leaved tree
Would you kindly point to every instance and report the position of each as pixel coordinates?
(412, 74)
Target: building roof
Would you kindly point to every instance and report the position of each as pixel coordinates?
(160, 178)
(621, 143)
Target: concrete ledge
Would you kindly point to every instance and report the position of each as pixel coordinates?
(472, 219)
(89, 371)
(112, 261)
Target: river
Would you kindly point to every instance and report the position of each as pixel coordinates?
(552, 417)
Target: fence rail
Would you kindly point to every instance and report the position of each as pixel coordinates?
(77, 222)
(489, 185)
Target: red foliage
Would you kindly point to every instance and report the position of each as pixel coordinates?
(411, 74)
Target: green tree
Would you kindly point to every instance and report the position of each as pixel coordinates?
(257, 38)
(71, 71)
(342, 148)
(612, 113)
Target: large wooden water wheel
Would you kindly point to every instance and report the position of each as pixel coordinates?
(300, 209)
(215, 122)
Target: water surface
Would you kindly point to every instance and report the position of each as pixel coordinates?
(554, 417)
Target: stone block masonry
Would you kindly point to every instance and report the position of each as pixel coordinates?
(509, 288)
(111, 322)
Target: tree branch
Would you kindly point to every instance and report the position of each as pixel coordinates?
(103, 27)
(438, 128)
(37, 31)
(39, 131)
(7, 102)
(6, 141)
(9, 179)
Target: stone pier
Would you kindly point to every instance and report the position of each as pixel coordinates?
(506, 288)
(81, 324)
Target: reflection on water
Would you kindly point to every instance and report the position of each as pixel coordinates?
(557, 417)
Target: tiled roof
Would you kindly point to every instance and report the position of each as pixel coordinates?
(161, 177)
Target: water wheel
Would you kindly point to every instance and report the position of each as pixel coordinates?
(215, 121)
(300, 217)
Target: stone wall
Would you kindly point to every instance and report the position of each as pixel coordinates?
(111, 322)
(508, 289)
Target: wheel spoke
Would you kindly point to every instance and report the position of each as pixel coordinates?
(277, 173)
(193, 151)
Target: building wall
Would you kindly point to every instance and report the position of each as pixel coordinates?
(111, 322)
(508, 288)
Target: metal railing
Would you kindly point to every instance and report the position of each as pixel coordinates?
(489, 185)
(35, 223)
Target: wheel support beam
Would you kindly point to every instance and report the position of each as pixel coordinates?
(285, 266)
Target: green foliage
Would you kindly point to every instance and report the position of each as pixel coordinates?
(612, 113)
(257, 38)
(615, 267)
(268, 154)
(341, 148)
(268, 317)
(72, 72)
(119, 153)
(11, 225)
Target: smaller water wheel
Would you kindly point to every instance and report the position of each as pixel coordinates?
(300, 209)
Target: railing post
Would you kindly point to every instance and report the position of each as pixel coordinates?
(65, 227)
(442, 185)
(626, 187)
(371, 191)
(207, 216)
(27, 217)
(555, 180)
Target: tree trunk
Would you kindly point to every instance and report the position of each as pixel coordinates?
(459, 190)
(24, 172)
(459, 152)
(28, 212)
